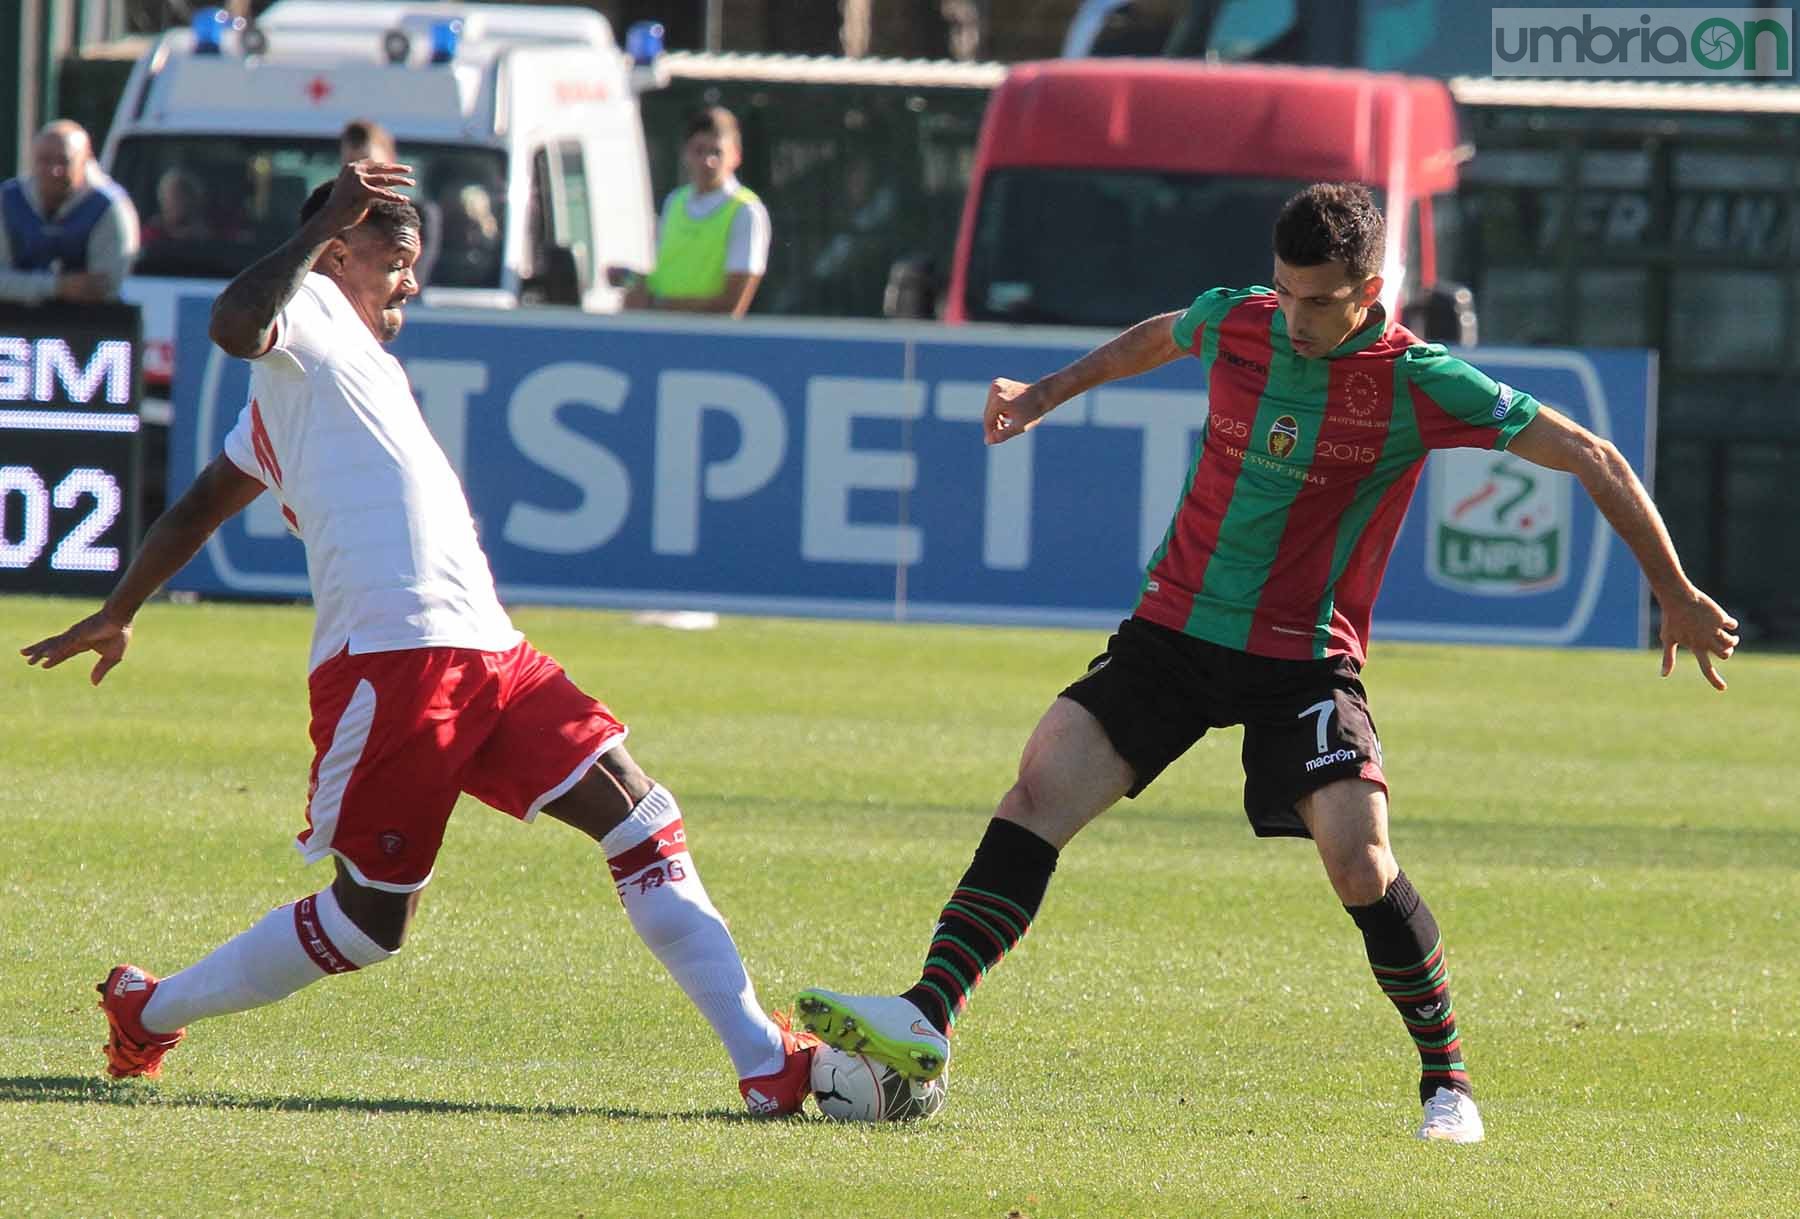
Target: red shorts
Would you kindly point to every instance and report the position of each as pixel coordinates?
(397, 736)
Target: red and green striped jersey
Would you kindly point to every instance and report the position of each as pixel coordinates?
(1302, 476)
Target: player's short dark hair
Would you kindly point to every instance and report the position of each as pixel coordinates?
(390, 218)
(712, 120)
(1332, 221)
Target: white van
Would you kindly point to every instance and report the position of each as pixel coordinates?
(520, 121)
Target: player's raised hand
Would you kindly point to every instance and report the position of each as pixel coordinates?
(95, 633)
(1012, 409)
(1700, 626)
(359, 186)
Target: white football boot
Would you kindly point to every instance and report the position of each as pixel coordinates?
(887, 1028)
(1451, 1117)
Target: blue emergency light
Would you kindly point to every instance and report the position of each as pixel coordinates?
(209, 27)
(644, 42)
(446, 36)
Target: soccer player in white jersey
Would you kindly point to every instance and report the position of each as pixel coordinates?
(420, 686)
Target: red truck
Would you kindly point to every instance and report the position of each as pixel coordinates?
(1104, 191)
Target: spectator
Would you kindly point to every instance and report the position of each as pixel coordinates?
(712, 242)
(850, 272)
(67, 230)
(368, 140)
(180, 209)
(470, 254)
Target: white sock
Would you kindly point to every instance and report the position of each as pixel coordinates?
(656, 880)
(289, 947)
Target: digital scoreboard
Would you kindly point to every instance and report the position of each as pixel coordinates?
(70, 449)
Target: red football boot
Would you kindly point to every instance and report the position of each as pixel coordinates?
(132, 1049)
(781, 1093)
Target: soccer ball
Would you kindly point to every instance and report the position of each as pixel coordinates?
(855, 1088)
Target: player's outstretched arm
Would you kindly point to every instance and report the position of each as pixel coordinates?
(1014, 407)
(1690, 618)
(243, 316)
(221, 491)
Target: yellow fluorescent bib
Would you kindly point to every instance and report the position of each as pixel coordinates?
(690, 254)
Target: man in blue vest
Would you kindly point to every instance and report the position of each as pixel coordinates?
(67, 231)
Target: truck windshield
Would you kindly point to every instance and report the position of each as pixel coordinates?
(1082, 247)
(213, 204)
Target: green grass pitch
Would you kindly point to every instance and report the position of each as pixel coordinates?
(1189, 1030)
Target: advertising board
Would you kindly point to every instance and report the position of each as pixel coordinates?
(70, 450)
(790, 467)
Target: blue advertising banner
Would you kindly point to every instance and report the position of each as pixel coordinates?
(838, 469)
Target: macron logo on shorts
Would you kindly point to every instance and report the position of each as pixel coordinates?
(1336, 755)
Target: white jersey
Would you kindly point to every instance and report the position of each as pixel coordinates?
(332, 430)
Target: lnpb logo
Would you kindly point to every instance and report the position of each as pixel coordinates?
(1284, 434)
(1718, 43)
(1499, 526)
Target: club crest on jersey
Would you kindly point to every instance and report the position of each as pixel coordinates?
(1284, 434)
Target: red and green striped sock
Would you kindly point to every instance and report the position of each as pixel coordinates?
(987, 915)
(1406, 953)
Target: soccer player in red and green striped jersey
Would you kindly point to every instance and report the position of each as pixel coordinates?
(1255, 611)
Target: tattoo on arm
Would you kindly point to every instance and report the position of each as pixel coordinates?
(246, 310)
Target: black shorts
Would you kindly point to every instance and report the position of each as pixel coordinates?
(1306, 722)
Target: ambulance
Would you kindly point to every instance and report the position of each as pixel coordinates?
(521, 124)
